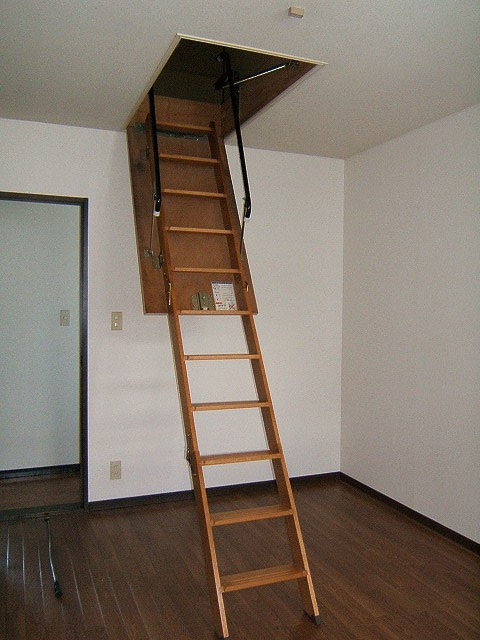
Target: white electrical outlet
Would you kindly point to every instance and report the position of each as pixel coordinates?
(115, 470)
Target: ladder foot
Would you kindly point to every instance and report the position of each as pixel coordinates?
(315, 619)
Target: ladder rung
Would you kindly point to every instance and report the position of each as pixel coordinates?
(212, 312)
(223, 232)
(204, 270)
(260, 577)
(249, 515)
(183, 128)
(194, 194)
(232, 458)
(222, 356)
(237, 404)
(169, 157)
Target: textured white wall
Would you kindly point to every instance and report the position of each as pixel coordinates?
(411, 336)
(294, 239)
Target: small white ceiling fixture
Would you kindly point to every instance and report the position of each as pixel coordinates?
(296, 12)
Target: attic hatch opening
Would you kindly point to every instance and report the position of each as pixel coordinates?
(193, 70)
(184, 93)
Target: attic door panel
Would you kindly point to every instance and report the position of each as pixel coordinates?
(177, 210)
(204, 252)
(177, 175)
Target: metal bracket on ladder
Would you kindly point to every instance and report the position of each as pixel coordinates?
(157, 260)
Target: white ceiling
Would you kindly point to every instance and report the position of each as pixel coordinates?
(393, 65)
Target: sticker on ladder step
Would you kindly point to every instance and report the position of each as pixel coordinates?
(224, 296)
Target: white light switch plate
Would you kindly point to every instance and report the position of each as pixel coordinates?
(117, 321)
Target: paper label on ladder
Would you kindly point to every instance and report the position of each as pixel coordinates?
(224, 296)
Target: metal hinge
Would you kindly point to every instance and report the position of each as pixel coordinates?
(157, 261)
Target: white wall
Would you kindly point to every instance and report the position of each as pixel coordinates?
(411, 326)
(411, 335)
(132, 409)
(294, 239)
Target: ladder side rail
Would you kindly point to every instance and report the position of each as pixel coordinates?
(251, 336)
(230, 213)
(193, 453)
(271, 428)
(196, 471)
(183, 386)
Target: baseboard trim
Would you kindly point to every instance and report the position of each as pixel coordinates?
(140, 501)
(156, 498)
(54, 470)
(415, 515)
(298, 481)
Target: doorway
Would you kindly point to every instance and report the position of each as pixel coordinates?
(43, 353)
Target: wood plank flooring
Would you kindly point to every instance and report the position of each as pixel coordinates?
(40, 491)
(136, 573)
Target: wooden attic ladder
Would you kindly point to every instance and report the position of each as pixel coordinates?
(200, 242)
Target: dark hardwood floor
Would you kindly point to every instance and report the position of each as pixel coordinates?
(136, 573)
